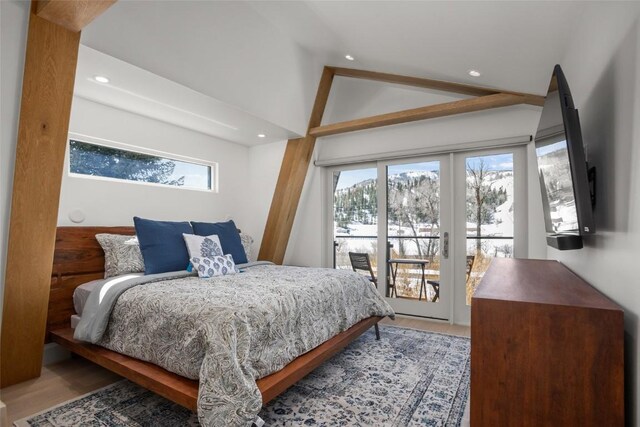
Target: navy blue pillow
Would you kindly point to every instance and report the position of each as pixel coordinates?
(162, 245)
(229, 237)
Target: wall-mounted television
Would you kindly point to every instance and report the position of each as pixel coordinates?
(566, 181)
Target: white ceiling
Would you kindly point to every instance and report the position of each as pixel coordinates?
(199, 45)
(139, 91)
(513, 43)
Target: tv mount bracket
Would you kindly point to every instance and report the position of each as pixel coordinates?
(591, 176)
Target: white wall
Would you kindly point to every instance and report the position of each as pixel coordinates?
(14, 17)
(115, 203)
(264, 167)
(602, 66)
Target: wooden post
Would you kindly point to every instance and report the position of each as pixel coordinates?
(47, 92)
(293, 172)
(73, 15)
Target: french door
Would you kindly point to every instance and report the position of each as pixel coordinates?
(490, 217)
(415, 225)
(429, 225)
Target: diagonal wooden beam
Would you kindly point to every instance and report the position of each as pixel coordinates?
(445, 86)
(47, 91)
(293, 171)
(73, 15)
(273, 228)
(287, 197)
(322, 96)
(432, 111)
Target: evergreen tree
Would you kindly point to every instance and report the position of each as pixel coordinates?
(96, 160)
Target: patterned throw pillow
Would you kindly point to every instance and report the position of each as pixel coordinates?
(203, 246)
(121, 254)
(247, 241)
(228, 234)
(214, 266)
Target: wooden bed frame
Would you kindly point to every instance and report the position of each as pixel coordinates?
(79, 258)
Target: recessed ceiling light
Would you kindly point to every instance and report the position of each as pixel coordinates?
(101, 79)
(349, 57)
(262, 135)
(474, 73)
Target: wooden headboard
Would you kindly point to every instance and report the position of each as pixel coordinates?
(78, 258)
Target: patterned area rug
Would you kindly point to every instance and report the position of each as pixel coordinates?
(408, 378)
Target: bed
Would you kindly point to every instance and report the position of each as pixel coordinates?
(79, 259)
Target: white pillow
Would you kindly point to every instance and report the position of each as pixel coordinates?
(214, 266)
(203, 246)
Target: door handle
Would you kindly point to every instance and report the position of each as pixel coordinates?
(445, 245)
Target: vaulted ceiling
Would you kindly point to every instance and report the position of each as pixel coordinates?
(265, 57)
(512, 43)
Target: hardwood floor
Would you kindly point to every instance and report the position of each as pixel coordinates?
(58, 383)
(72, 378)
(428, 325)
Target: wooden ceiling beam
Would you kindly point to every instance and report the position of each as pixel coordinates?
(73, 15)
(440, 85)
(429, 112)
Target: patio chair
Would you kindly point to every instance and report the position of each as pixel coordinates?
(436, 283)
(361, 261)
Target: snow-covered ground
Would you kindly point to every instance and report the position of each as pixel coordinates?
(501, 226)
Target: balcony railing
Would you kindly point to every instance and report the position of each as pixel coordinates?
(408, 281)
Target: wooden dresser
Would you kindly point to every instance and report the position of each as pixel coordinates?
(547, 349)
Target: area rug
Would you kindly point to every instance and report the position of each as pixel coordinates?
(408, 378)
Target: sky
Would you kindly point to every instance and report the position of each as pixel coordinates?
(497, 162)
(348, 178)
(414, 167)
(194, 175)
(546, 149)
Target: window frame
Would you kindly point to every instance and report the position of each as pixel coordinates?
(140, 150)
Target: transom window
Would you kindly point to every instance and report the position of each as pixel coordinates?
(88, 159)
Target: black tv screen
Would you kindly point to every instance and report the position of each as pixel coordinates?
(563, 172)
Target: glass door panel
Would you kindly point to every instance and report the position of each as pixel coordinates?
(417, 214)
(490, 211)
(355, 216)
(413, 228)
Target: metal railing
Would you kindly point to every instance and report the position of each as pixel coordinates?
(389, 245)
(493, 250)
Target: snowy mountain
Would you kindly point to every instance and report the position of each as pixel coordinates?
(414, 196)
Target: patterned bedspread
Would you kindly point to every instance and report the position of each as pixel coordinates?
(230, 331)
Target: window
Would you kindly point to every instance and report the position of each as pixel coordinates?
(105, 162)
